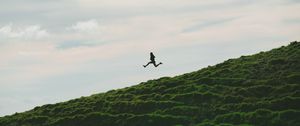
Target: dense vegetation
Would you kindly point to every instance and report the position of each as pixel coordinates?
(260, 90)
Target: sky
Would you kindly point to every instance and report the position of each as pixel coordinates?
(56, 50)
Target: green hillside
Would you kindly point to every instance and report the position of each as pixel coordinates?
(260, 90)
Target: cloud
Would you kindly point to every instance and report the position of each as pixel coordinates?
(207, 24)
(144, 3)
(85, 26)
(73, 44)
(27, 32)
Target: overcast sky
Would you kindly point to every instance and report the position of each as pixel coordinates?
(56, 50)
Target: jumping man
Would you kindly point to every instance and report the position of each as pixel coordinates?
(152, 60)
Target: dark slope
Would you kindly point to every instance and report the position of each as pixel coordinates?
(262, 89)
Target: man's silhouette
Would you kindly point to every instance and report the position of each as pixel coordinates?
(152, 60)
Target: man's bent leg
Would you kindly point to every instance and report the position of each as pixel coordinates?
(147, 64)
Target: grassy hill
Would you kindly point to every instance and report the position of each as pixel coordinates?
(261, 90)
